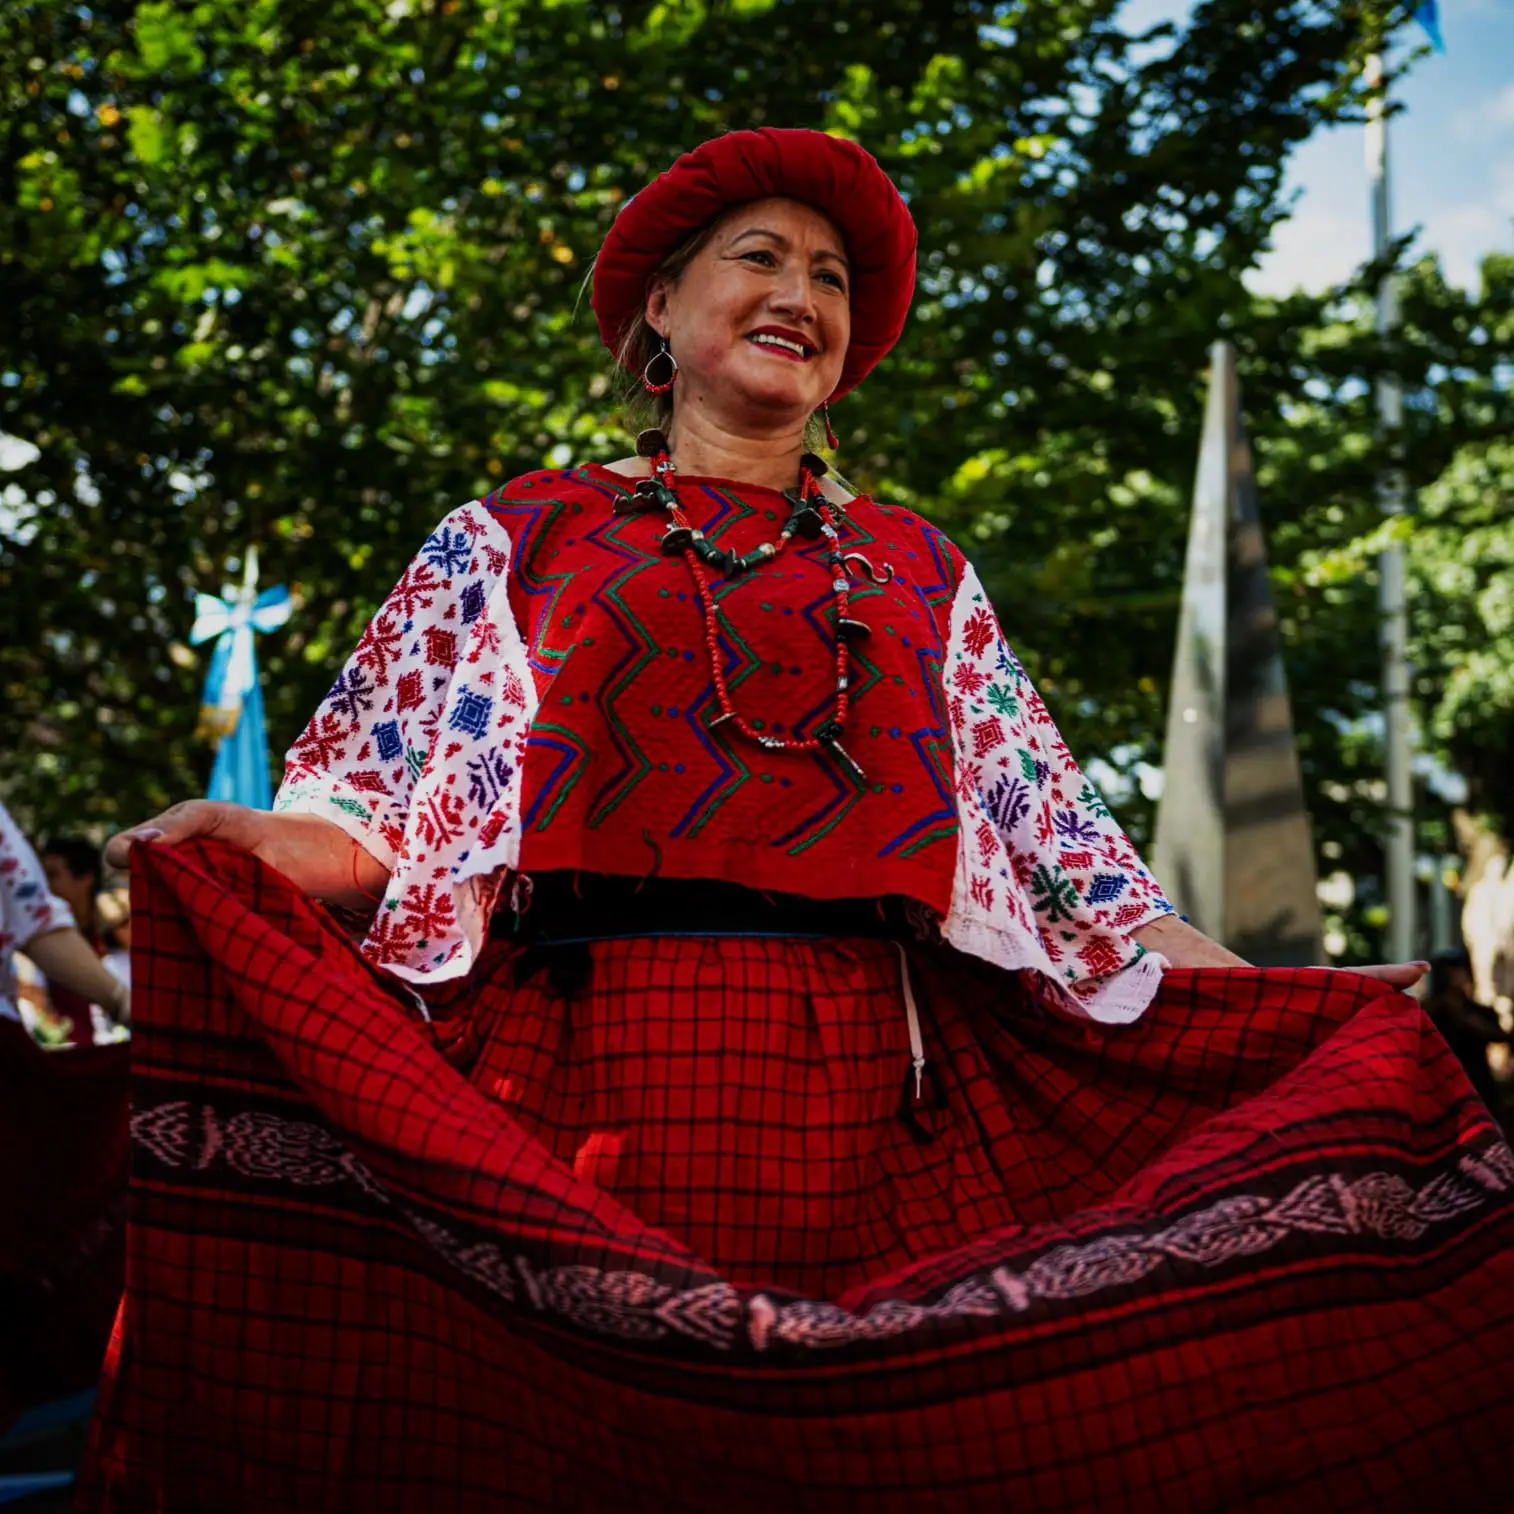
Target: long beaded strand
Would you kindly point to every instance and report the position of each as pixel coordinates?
(814, 516)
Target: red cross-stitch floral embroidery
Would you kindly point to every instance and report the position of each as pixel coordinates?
(441, 647)
(411, 690)
(979, 633)
(380, 646)
(416, 591)
(323, 743)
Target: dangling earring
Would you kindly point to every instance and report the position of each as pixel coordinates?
(830, 431)
(664, 354)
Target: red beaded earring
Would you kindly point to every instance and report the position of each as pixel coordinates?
(830, 430)
(663, 354)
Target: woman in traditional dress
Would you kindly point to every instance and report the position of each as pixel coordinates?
(768, 1076)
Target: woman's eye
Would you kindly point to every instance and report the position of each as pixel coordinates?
(835, 281)
(765, 258)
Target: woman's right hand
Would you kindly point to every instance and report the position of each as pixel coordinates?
(314, 854)
(232, 823)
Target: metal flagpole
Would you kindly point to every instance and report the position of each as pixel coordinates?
(1392, 603)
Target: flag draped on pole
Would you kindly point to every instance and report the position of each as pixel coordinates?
(1428, 16)
(231, 711)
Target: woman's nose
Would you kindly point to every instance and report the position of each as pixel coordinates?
(794, 297)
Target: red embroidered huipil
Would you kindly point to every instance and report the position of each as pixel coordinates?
(535, 696)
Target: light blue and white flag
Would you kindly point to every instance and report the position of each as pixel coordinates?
(231, 712)
(1428, 16)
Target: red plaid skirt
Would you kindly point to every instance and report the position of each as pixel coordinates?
(677, 1241)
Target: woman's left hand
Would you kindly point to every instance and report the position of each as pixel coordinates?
(1184, 946)
(1401, 975)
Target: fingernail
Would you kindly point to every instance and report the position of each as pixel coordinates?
(150, 834)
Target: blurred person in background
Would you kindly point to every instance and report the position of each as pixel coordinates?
(37, 921)
(75, 874)
(113, 910)
(1469, 1026)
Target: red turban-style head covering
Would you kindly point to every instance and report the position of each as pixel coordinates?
(831, 174)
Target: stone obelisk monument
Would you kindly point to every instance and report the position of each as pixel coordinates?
(1233, 848)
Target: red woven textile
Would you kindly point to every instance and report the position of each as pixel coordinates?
(62, 1213)
(1248, 1253)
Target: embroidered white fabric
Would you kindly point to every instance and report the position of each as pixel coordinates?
(417, 751)
(1046, 879)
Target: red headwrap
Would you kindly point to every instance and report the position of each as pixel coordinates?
(829, 173)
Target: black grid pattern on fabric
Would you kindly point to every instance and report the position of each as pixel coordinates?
(295, 1337)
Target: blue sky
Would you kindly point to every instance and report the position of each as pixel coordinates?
(1451, 149)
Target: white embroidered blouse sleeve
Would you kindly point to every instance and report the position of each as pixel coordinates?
(1046, 878)
(27, 908)
(416, 751)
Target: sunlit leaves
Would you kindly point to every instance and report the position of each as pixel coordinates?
(326, 262)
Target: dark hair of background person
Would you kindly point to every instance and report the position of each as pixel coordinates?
(1442, 965)
(81, 857)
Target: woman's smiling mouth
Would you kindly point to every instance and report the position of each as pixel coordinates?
(785, 344)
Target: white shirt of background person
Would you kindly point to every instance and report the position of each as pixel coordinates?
(27, 909)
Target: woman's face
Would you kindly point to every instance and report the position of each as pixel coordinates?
(761, 318)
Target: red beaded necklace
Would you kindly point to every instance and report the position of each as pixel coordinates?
(812, 516)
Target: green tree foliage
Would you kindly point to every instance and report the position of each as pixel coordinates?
(1462, 550)
(1309, 365)
(311, 275)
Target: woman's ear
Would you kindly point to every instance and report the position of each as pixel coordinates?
(657, 308)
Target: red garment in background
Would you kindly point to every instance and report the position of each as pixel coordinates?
(1248, 1253)
(63, 1135)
